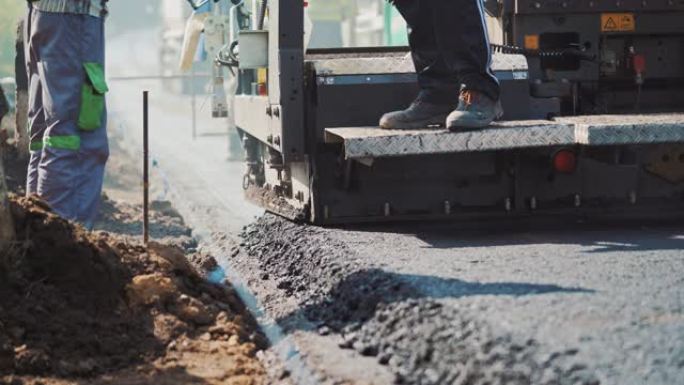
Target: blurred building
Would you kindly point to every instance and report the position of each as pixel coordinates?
(356, 23)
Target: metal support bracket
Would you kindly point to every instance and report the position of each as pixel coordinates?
(286, 74)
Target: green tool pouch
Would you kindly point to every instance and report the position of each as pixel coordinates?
(92, 97)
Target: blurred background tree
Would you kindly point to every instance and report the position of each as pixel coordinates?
(11, 11)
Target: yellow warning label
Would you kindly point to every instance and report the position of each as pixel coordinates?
(618, 22)
(532, 42)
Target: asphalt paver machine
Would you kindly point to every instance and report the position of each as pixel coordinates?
(593, 92)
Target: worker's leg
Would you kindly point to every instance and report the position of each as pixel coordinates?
(4, 105)
(54, 43)
(35, 114)
(463, 41)
(461, 33)
(21, 134)
(438, 81)
(94, 151)
(94, 145)
(439, 86)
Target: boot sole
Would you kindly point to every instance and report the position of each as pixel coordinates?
(422, 124)
(476, 125)
(473, 127)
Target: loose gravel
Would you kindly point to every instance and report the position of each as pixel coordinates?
(424, 342)
(377, 314)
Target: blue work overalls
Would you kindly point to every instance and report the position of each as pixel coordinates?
(67, 115)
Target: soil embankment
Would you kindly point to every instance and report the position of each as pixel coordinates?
(94, 308)
(79, 307)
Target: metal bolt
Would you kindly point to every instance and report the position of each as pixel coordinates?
(578, 200)
(508, 204)
(632, 197)
(533, 203)
(447, 207)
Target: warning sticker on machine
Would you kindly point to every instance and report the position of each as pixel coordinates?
(618, 22)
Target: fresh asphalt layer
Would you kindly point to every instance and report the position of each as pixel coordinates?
(430, 303)
(596, 305)
(614, 295)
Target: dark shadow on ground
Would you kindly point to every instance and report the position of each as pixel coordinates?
(168, 376)
(356, 298)
(597, 238)
(595, 241)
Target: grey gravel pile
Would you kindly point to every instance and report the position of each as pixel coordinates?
(379, 315)
(424, 342)
(301, 258)
(305, 262)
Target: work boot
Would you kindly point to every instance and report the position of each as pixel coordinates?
(420, 114)
(475, 110)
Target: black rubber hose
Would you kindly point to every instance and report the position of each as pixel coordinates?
(262, 14)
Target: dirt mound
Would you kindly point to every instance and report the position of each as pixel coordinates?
(75, 304)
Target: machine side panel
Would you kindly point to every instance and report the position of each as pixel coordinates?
(563, 7)
(286, 68)
(251, 117)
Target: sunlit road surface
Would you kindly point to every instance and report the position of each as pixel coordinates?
(618, 296)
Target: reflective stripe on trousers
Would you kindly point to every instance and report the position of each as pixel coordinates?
(67, 142)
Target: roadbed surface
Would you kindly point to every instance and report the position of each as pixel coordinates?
(433, 303)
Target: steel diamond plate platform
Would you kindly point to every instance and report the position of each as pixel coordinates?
(396, 63)
(373, 142)
(627, 129)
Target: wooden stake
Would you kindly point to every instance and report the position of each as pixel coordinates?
(146, 171)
